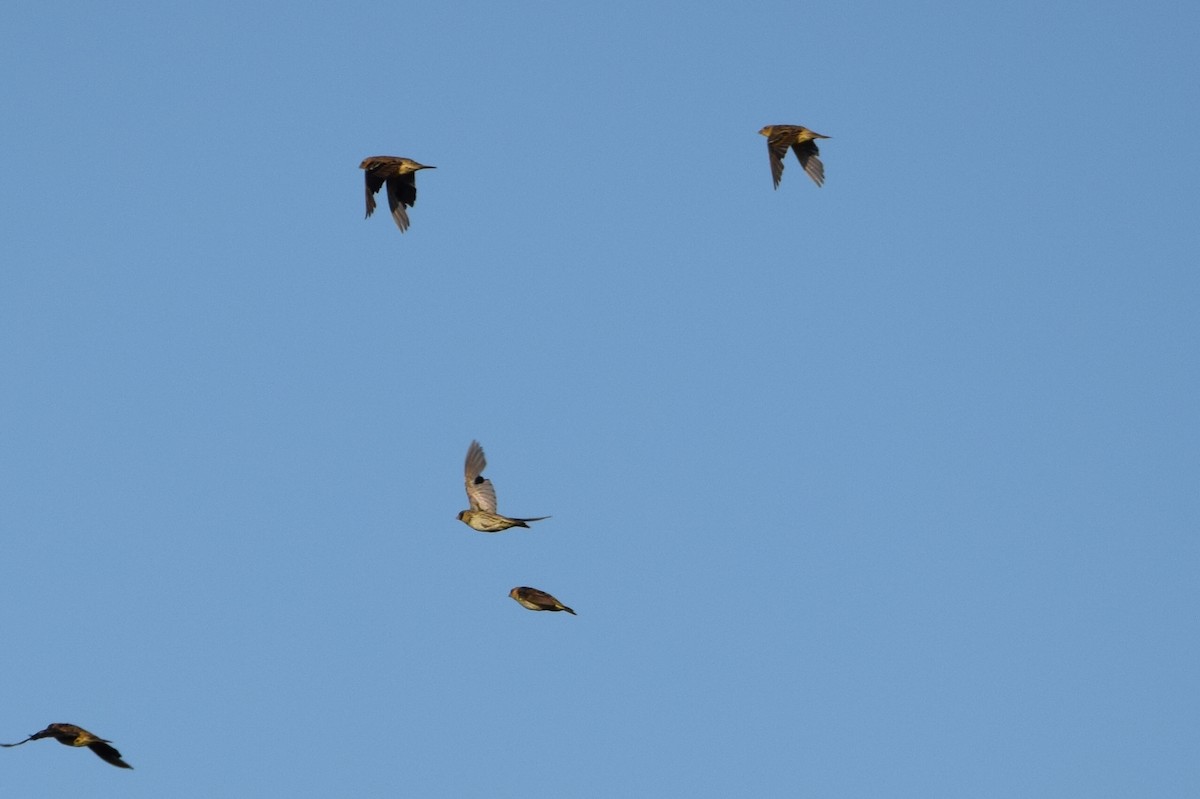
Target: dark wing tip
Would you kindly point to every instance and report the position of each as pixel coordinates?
(806, 154)
(400, 194)
(108, 754)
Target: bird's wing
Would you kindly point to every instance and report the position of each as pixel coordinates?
(18, 743)
(777, 147)
(375, 173)
(406, 188)
(806, 154)
(396, 199)
(370, 195)
(480, 492)
(540, 598)
(108, 754)
(375, 182)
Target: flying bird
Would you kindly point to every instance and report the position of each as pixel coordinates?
(482, 516)
(803, 144)
(400, 176)
(70, 735)
(538, 600)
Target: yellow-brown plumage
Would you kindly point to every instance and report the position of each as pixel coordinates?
(71, 735)
(801, 140)
(400, 176)
(534, 599)
(482, 515)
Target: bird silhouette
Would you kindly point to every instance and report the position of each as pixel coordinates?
(801, 140)
(70, 735)
(534, 599)
(400, 176)
(482, 515)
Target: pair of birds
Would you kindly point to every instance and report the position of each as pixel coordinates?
(399, 174)
(70, 735)
(483, 516)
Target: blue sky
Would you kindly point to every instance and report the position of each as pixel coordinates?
(887, 488)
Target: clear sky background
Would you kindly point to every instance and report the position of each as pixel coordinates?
(884, 489)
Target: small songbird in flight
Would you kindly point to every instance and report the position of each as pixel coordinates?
(538, 600)
(400, 176)
(70, 735)
(482, 516)
(801, 140)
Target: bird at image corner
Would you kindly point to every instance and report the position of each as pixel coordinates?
(71, 735)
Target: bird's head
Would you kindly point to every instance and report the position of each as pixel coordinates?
(58, 731)
(462, 515)
(766, 131)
